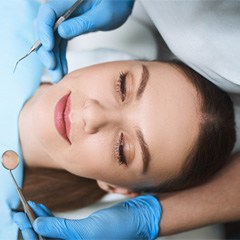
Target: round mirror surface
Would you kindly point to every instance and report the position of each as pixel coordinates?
(10, 160)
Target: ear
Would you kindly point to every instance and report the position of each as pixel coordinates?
(111, 188)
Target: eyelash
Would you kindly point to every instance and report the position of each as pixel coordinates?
(119, 151)
(119, 147)
(121, 85)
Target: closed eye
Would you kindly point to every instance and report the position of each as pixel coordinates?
(121, 86)
(119, 151)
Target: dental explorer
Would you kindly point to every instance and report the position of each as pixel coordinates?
(10, 161)
(38, 44)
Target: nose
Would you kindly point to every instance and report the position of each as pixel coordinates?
(97, 116)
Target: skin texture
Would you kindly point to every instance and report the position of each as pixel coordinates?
(167, 114)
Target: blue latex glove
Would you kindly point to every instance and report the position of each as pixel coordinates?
(91, 15)
(21, 219)
(137, 218)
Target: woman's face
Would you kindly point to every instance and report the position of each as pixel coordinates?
(127, 123)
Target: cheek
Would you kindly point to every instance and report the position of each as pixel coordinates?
(89, 158)
(43, 120)
(91, 83)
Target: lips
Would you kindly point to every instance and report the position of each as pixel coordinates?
(61, 116)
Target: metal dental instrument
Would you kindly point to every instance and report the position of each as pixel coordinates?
(10, 161)
(38, 44)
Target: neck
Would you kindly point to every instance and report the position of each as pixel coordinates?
(33, 152)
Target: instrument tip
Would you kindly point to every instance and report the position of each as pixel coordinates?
(15, 66)
(19, 61)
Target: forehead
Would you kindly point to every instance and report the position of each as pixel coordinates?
(172, 117)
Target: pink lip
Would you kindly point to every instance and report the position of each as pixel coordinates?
(61, 116)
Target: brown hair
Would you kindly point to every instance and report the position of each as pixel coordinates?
(59, 190)
(216, 138)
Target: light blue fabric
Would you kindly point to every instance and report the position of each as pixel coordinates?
(16, 25)
(203, 34)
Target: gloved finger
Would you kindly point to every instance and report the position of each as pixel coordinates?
(59, 7)
(29, 234)
(95, 15)
(46, 210)
(47, 16)
(87, 22)
(57, 73)
(89, 18)
(45, 21)
(51, 227)
(25, 226)
(40, 210)
(47, 58)
(21, 219)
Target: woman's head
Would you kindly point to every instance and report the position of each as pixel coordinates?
(132, 124)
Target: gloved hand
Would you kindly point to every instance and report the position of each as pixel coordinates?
(21, 219)
(91, 15)
(137, 218)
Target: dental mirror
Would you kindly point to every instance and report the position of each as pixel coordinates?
(10, 161)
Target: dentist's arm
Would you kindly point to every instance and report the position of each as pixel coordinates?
(215, 202)
(90, 16)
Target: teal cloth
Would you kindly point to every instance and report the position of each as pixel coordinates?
(17, 28)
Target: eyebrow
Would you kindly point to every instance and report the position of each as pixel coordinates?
(143, 81)
(146, 157)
